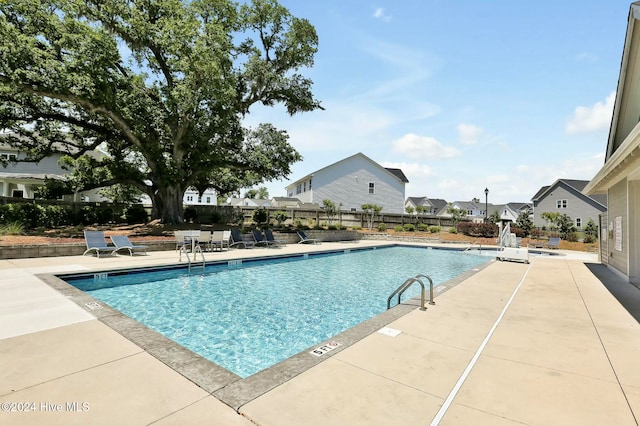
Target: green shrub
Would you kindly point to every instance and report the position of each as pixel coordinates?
(190, 214)
(409, 227)
(31, 215)
(357, 228)
(423, 227)
(453, 230)
(260, 216)
(434, 229)
(572, 237)
(332, 227)
(381, 227)
(472, 229)
(216, 217)
(53, 216)
(12, 228)
(88, 215)
(398, 228)
(104, 215)
(280, 216)
(136, 214)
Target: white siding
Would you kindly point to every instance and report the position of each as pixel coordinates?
(347, 182)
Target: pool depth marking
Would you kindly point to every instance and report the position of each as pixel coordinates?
(321, 350)
(445, 406)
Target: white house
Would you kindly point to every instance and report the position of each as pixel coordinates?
(21, 179)
(430, 206)
(352, 182)
(619, 177)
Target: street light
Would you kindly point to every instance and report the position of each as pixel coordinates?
(486, 203)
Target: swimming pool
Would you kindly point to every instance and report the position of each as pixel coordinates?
(249, 315)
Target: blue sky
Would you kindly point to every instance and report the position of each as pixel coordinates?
(461, 95)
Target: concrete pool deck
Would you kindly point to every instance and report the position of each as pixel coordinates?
(535, 344)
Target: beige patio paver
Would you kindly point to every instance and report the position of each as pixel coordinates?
(564, 352)
(336, 393)
(542, 396)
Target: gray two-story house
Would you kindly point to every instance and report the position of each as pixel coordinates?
(565, 196)
(352, 182)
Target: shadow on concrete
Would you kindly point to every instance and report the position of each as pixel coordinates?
(626, 293)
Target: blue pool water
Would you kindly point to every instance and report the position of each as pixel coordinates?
(249, 316)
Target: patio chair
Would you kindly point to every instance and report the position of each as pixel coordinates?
(259, 238)
(553, 243)
(237, 240)
(180, 241)
(306, 240)
(122, 242)
(204, 239)
(268, 234)
(97, 243)
(216, 240)
(226, 239)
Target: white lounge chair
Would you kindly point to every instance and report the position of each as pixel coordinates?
(122, 242)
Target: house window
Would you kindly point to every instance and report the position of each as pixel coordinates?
(372, 188)
(470, 212)
(208, 200)
(304, 188)
(561, 204)
(299, 188)
(199, 198)
(8, 157)
(189, 198)
(309, 184)
(17, 193)
(578, 222)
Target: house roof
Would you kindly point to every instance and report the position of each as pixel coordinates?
(33, 176)
(624, 135)
(397, 173)
(417, 201)
(575, 186)
(286, 199)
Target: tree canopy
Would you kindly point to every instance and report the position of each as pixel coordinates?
(162, 87)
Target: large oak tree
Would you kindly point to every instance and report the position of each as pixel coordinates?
(163, 86)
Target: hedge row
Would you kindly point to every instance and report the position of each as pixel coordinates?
(33, 216)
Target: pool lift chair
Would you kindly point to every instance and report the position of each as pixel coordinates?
(509, 247)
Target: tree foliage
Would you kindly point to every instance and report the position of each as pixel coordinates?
(590, 232)
(331, 210)
(494, 217)
(456, 214)
(524, 222)
(161, 87)
(371, 211)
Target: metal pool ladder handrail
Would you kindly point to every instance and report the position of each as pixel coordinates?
(471, 246)
(196, 249)
(405, 285)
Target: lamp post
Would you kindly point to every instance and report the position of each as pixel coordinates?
(486, 203)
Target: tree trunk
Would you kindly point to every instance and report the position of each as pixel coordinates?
(167, 205)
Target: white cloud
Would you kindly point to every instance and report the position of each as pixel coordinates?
(423, 147)
(411, 170)
(586, 57)
(591, 119)
(378, 13)
(468, 133)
